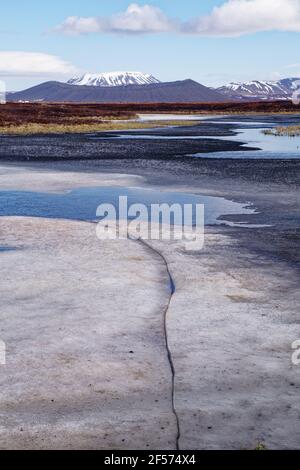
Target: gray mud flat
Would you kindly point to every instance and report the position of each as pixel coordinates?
(83, 324)
(231, 323)
(87, 365)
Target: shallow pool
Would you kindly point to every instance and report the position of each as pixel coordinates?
(81, 204)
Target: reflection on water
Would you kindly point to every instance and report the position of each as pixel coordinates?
(270, 146)
(250, 154)
(176, 117)
(267, 143)
(81, 204)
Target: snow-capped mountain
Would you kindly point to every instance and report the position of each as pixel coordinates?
(266, 90)
(183, 91)
(114, 79)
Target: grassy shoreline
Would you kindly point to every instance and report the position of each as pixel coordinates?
(86, 127)
(283, 131)
(68, 118)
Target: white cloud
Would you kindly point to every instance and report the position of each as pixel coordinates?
(135, 20)
(232, 18)
(13, 63)
(293, 66)
(145, 19)
(239, 17)
(74, 25)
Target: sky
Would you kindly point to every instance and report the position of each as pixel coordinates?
(211, 41)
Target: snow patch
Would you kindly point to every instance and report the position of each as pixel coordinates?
(261, 89)
(110, 79)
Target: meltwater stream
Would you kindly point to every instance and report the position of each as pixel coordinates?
(249, 133)
(269, 146)
(81, 204)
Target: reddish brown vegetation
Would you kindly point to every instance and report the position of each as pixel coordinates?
(233, 107)
(44, 113)
(14, 114)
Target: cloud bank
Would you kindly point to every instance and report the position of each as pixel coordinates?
(239, 17)
(135, 20)
(14, 63)
(233, 18)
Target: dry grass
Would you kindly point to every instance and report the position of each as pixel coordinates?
(260, 446)
(94, 125)
(289, 131)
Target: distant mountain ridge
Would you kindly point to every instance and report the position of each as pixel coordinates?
(261, 90)
(185, 91)
(137, 87)
(114, 79)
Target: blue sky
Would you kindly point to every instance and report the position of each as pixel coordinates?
(172, 39)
